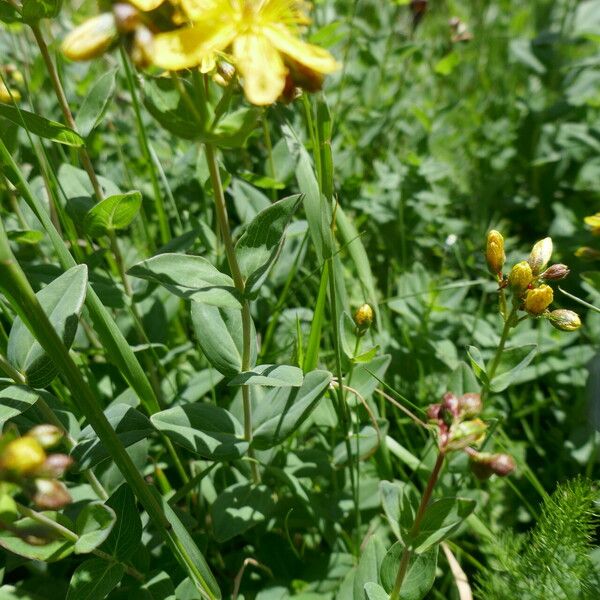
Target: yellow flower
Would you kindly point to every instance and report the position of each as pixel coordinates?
(593, 223)
(262, 38)
(22, 456)
(8, 95)
(146, 5)
(538, 299)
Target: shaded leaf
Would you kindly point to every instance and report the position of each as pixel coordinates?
(93, 525)
(114, 212)
(94, 579)
(270, 375)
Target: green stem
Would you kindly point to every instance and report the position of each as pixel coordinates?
(163, 221)
(66, 533)
(21, 296)
(404, 561)
(240, 285)
(508, 325)
(269, 145)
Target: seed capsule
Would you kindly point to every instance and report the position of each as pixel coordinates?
(484, 464)
(520, 277)
(91, 39)
(494, 252)
(540, 255)
(538, 299)
(564, 320)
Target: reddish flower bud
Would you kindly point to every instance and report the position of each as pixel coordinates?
(555, 272)
(484, 464)
(50, 494)
(470, 405)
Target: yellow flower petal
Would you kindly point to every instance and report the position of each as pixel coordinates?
(261, 68)
(593, 223)
(183, 48)
(311, 56)
(199, 9)
(146, 5)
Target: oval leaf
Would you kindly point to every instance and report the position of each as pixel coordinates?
(51, 130)
(95, 103)
(271, 376)
(94, 579)
(62, 300)
(114, 212)
(93, 525)
(189, 277)
(207, 430)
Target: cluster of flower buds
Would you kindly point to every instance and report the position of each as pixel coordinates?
(10, 81)
(134, 22)
(24, 462)
(528, 281)
(459, 427)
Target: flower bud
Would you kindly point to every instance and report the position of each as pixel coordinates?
(538, 299)
(146, 5)
(224, 74)
(484, 464)
(540, 255)
(91, 39)
(469, 405)
(127, 17)
(363, 317)
(141, 51)
(433, 411)
(520, 277)
(587, 253)
(50, 494)
(8, 96)
(466, 433)
(46, 435)
(54, 466)
(494, 252)
(555, 272)
(564, 320)
(22, 456)
(449, 406)
(593, 223)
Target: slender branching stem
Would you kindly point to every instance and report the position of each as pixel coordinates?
(405, 559)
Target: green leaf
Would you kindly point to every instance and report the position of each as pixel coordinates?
(400, 503)
(283, 410)
(93, 525)
(238, 508)
(95, 103)
(373, 591)
(524, 354)
(37, 125)
(206, 429)
(189, 277)
(420, 574)
(463, 381)
(368, 567)
(165, 104)
(130, 425)
(55, 549)
(34, 10)
(125, 537)
(94, 579)
(270, 375)
(233, 129)
(362, 444)
(219, 334)
(258, 247)
(8, 13)
(159, 587)
(62, 300)
(25, 236)
(477, 363)
(441, 518)
(15, 400)
(114, 212)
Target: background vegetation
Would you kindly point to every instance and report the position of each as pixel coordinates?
(439, 131)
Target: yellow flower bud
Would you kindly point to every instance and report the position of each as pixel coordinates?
(363, 317)
(91, 39)
(564, 320)
(540, 255)
(494, 252)
(520, 276)
(8, 96)
(22, 456)
(538, 299)
(587, 253)
(593, 223)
